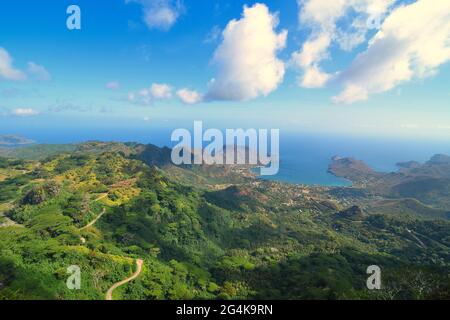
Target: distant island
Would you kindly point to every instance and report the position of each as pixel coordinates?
(10, 140)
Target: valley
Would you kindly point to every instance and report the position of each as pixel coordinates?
(124, 211)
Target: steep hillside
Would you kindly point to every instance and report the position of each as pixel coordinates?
(104, 206)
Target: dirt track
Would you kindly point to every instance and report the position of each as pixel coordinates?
(90, 224)
(139, 264)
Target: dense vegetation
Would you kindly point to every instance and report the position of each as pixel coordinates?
(251, 240)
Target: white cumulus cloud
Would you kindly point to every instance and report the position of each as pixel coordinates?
(322, 17)
(189, 96)
(7, 71)
(413, 41)
(247, 61)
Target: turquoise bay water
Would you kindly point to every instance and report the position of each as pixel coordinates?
(304, 158)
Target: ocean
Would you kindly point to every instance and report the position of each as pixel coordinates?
(304, 158)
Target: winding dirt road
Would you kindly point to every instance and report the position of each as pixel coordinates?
(139, 263)
(90, 224)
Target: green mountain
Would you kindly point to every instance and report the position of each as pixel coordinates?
(204, 232)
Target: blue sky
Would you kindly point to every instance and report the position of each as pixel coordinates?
(305, 65)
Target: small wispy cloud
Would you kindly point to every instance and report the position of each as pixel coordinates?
(24, 112)
(213, 35)
(112, 85)
(146, 96)
(38, 72)
(7, 70)
(161, 91)
(68, 106)
(189, 96)
(160, 14)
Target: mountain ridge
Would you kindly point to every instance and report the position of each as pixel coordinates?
(204, 234)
